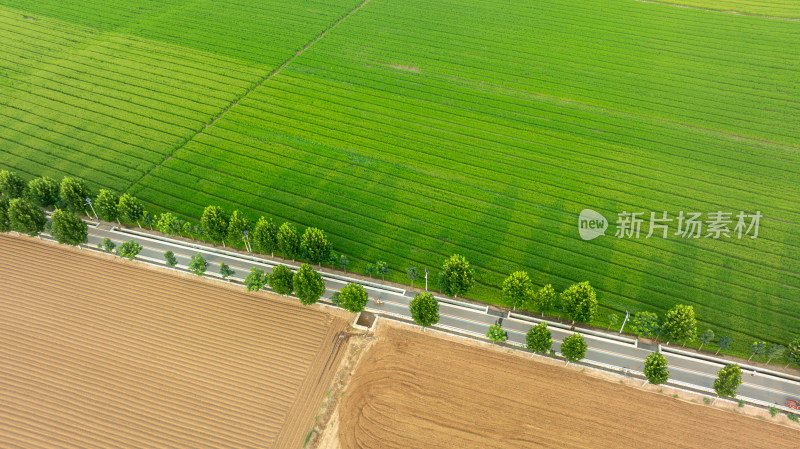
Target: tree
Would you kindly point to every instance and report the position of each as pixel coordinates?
(315, 246)
(225, 270)
(288, 242)
(774, 352)
(574, 347)
(353, 297)
(107, 205)
(456, 277)
(412, 275)
(371, 269)
(424, 309)
(497, 334)
(109, 245)
(148, 219)
(518, 289)
(382, 268)
(25, 217)
(705, 338)
(129, 249)
(5, 224)
(265, 236)
(43, 191)
(613, 319)
(237, 224)
(130, 208)
(793, 352)
(655, 368)
(680, 323)
(11, 185)
(281, 280)
(728, 380)
(724, 343)
(255, 280)
(68, 228)
(73, 193)
(308, 284)
(168, 224)
(344, 262)
(758, 348)
(215, 223)
(539, 339)
(646, 324)
(544, 298)
(169, 256)
(198, 265)
(579, 302)
(187, 229)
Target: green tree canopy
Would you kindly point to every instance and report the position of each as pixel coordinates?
(214, 223)
(308, 284)
(574, 347)
(25, 217)
(107, 205)
(774, 352)
(646, 324)
(544, 298)
(43, 191)
(456, 277)
(315, 246)
(168, 224)
(255, 280)
(129, 249)
(424, 309)
(68, 228)
(758, 349)
(288, 241)
(73, 193)
(344, 262)
(724, 343)
(518, 289)
(130, 209)
(237, 224)
(282, 280)
(198, 265)
(5, 223)
(706, 338)
(613, 319)
(412, 274)
(108, 245)
(579, 302)
(539, 339)
(11, 185)
(225, 270)
(353, 297)
(148, 219)
(655, 368)
(680, 323)
(169, 256)
(382, 268)
(728, 380)
(371, 269)
(793, 352)
(496, 333)
(265, 236)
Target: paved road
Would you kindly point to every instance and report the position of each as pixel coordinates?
(622, 355)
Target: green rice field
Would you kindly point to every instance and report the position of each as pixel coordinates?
(412, 130)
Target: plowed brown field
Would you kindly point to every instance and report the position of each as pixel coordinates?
(417, 391)
(105, 354)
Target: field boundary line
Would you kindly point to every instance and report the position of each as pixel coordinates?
(250, 89)
(735, 13)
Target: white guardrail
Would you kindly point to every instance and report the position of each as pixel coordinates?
(603, 335)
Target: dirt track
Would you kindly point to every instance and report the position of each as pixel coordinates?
(416, 391)
(102, 354)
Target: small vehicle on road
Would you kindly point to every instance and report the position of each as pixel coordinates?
(793, 403)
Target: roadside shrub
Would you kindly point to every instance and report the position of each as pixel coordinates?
(773, 411)
(792, 417)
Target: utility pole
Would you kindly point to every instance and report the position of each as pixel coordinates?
(89, 202)
(623, 322)
(426, 279)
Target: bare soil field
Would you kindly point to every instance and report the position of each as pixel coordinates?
(414, 390)
(103, 353)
